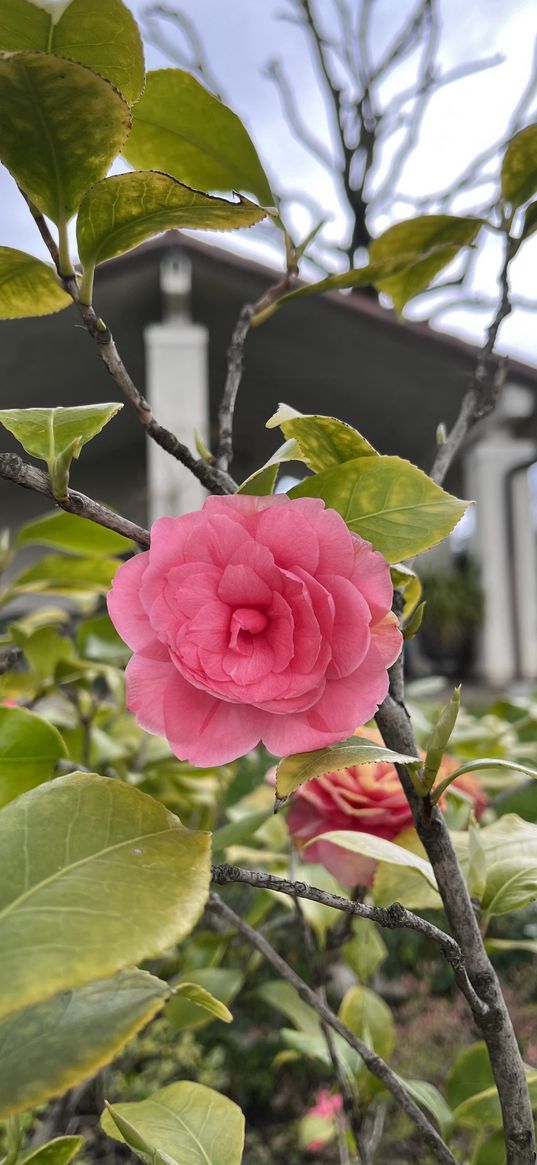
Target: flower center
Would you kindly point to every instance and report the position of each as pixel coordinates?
(245, 620)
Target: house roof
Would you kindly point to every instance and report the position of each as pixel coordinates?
(343, 355)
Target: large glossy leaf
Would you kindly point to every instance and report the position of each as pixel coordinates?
(120, 212)
(61, 126)
(428, 243)
(431, 1099)
(204, 997)
(519, 167)
(379, 849)
(181, 128)
(262, 481)
(57, 1152)
(322, 441)
(30, 748)
(28, 287)
(183, 1124)
(104, 868)
(50, 1046)
(101, 34)
(303, 766)
(389, 502)
(62, 531)
(57, 435)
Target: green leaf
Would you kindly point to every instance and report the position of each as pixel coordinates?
(101, 34)
(379, 849)
(204, 997)
(236, 832)
(322, 441)
(392, 883)
(30, 749)
(262, 481)
(28, 287)
(490, 1151)
(57, 435)
(122, 211)
(366, 950)
(471, 1073)
(57, 1152)
(439, 739)
(61, 126)
(519, 167)
(484, 764)
(287, 1001)
(68, 532)
(43, 648)
(303, 766)
(530, 221)
(431, 1099)
(80, 852)
(179, 127)
(57, 574)
(183, 1123)
(498, 945)
(427, 243)
(366, 276)
(53, 1045)
(97, 639)
(509, 885)
(369, 1017)
(387, 501)
(482, 1110)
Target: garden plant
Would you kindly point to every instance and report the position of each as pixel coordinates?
(199, 819)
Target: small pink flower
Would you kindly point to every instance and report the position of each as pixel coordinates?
(255, 619)
(326, 1106)
(367, 798)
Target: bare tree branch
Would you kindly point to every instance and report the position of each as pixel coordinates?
(198, 62)
(495, 1026)
(214, 479)
(480, 398)
(13, 468)
(374, 1062)
(394, 917)
(275, 72)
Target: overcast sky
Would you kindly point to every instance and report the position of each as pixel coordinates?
(241, 36)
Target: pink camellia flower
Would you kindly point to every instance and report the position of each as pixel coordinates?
(255, 619)
(367, 798)
(327, 1105)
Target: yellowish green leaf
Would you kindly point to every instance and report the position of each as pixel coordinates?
(181, 128)
(427, 244)
(379, 849)
(57, 1152)
(303, 766)
(75, 535)
(53, 1045)
(387, 501)
(183, 1123)
(101, 34)
(122, 211)
(30, 748)
(519, 167)
(322, 441)
(61, 125)
(109, 871)
(28, 287)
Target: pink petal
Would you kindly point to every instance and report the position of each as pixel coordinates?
(124, 607)
(240, 586)
(371, 574)
(350, 702)
(350, 636)
(147, 682)
(204, 730)
(292, 541)
(387, 639)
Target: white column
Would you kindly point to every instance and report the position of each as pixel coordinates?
(487, 466)
(525, 573)
(178, 392)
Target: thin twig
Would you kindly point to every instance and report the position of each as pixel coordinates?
(480, 397)
(376, 1065)
(214, 479)
(395, 917)
(235, 361)
(13, 468)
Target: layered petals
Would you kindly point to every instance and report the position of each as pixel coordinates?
(255, 619)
